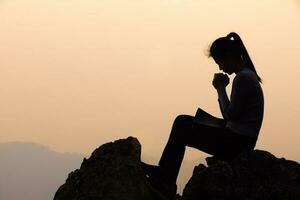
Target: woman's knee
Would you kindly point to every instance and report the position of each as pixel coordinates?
(183, 119)
(182, 126)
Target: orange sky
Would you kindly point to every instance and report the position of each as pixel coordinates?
(77, 74)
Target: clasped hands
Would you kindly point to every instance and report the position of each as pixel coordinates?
(220, 81)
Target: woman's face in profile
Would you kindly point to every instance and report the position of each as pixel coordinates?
(225, 64)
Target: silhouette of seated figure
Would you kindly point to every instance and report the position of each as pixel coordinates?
(223, 138)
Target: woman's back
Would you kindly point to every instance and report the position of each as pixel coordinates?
(247, 104)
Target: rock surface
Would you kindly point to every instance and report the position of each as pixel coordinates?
(113, 172)
(254, 175)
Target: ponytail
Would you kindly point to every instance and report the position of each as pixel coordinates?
(244, 52)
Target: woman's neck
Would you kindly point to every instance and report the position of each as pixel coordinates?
(239, 67)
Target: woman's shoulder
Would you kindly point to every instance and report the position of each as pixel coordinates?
(246, 75)
(246, 79)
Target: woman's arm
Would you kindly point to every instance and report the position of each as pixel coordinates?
(231, 109)
(223, 102)
(220, 82)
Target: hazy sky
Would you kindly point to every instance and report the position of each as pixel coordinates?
(76, 74)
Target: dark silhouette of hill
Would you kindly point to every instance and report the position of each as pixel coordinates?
(30, 171)
(254, 175)
(114, 172)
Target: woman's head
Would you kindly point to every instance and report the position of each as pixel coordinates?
(224, 47)
(230, 54)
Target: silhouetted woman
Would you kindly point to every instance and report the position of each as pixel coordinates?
(243, 116)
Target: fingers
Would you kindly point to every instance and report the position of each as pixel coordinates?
(220, 80)
(221, 76)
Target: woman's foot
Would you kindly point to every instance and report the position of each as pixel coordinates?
(152, 170)
(158, 179)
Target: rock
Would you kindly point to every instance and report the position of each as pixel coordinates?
(113, 172)
(253, 175)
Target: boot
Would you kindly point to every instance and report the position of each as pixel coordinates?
(159, 180)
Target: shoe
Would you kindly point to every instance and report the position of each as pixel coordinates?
(168, 189)
(158, 179)
(151, 169)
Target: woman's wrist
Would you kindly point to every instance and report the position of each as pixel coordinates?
(221, 89)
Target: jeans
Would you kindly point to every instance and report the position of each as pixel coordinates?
(219, 142)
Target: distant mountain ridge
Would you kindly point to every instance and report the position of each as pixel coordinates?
(31, 171)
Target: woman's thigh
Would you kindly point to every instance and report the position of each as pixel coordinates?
(214, 141)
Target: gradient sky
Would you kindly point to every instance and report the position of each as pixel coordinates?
(76, 74)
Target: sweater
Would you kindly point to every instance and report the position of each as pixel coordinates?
(245, 109)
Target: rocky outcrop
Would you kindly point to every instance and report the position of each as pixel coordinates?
(254, 175)
(113, 172)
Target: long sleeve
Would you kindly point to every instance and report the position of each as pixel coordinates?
(223, 102)
(231, 109)
(244, 110)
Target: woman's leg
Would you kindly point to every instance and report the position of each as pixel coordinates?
(173, 153)
(215, 141)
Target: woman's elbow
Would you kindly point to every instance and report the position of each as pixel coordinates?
(232, 116)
